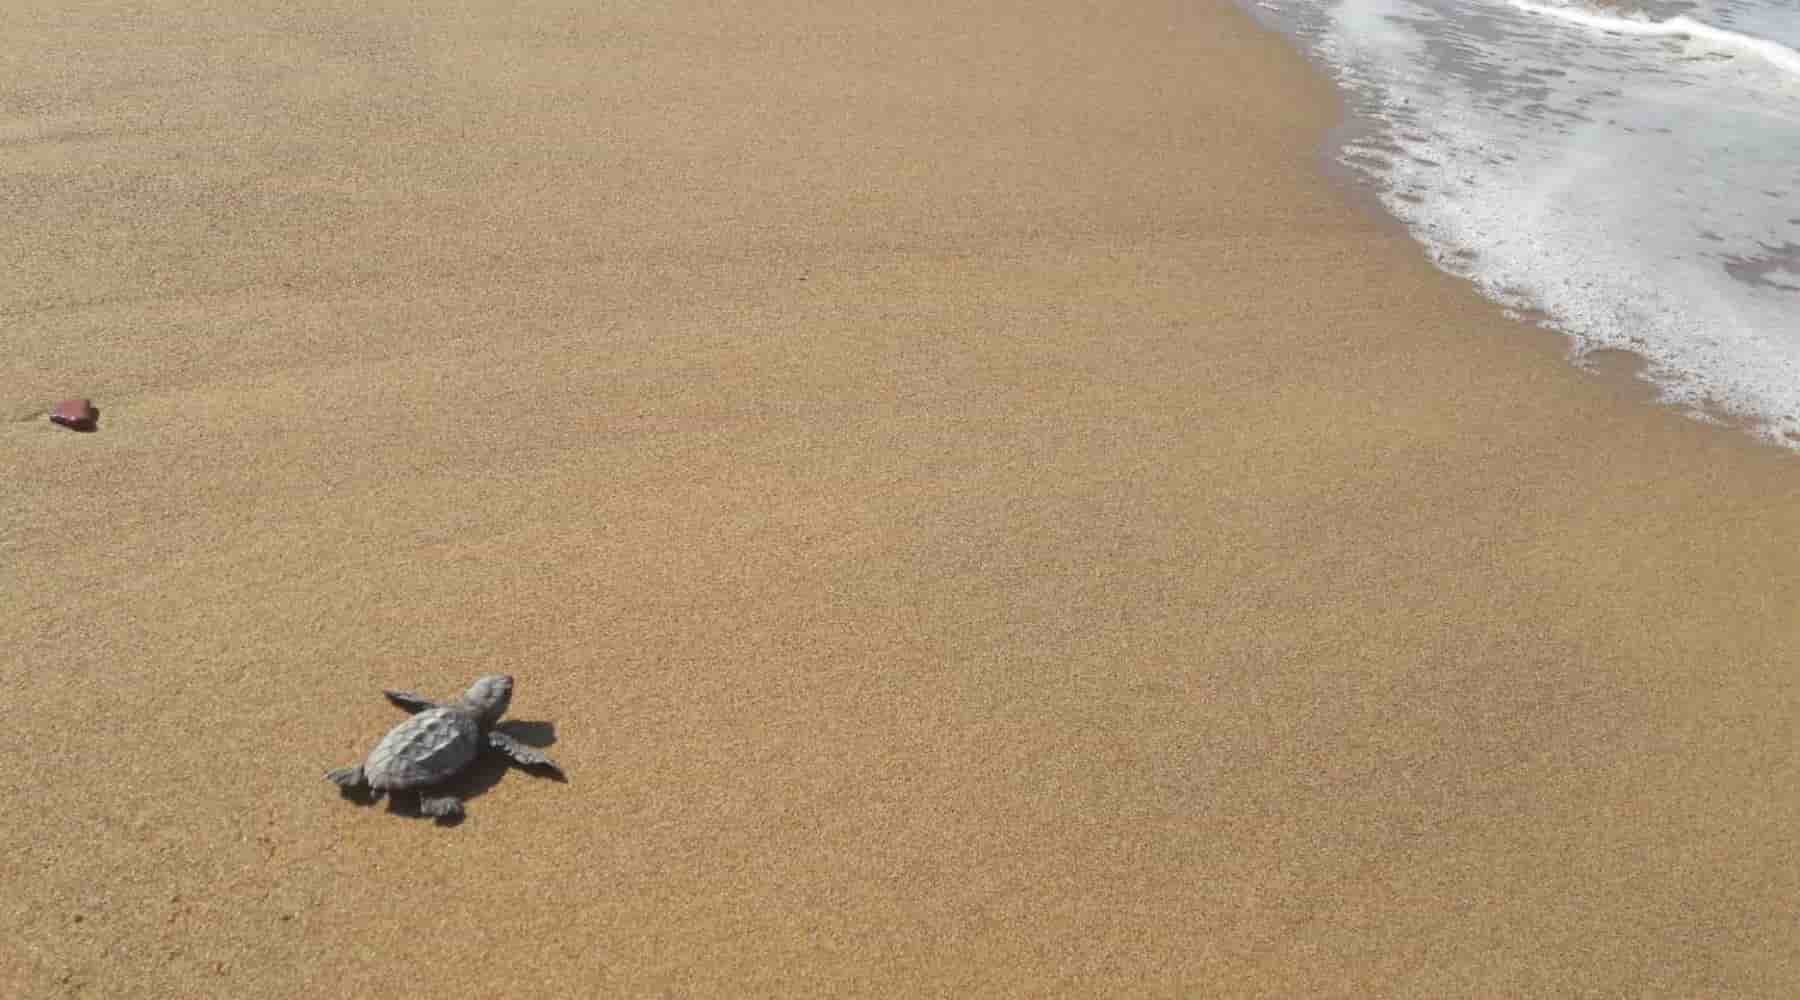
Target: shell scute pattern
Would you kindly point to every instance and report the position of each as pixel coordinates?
(424, 749)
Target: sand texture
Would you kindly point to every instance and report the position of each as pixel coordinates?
(981, 513)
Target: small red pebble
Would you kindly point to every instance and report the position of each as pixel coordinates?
(75, 414)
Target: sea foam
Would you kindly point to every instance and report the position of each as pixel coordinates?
(1679, 26)
(1632, 179)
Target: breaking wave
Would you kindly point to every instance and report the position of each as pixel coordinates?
(1680, 26)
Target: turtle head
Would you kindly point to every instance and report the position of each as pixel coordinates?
(489, 696)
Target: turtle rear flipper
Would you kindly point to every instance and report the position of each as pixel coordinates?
(353, 783)
(445, 808)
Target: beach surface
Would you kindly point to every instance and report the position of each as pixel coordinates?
(980, 511)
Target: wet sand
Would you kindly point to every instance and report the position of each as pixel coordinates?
(979, 511)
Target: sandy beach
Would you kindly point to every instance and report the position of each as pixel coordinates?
(981, 510)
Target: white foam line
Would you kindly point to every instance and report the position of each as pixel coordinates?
(1775, 53)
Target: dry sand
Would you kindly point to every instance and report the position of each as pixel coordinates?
(983, 514)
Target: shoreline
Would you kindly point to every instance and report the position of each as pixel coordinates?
(1447, 221)
(981, 511)
(1620, 367)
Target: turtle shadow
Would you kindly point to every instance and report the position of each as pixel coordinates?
(475, 780)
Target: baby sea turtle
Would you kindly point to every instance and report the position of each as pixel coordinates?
(436, 744)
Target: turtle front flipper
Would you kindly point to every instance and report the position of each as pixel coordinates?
(409, 701)
(521, 753)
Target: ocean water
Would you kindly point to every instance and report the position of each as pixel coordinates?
(1625, 172)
